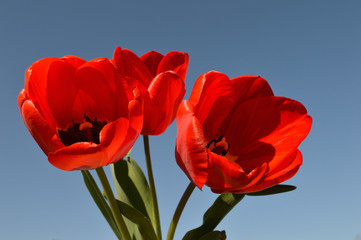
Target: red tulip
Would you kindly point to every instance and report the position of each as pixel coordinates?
(160, 80)
(235, 136)
(82, 114)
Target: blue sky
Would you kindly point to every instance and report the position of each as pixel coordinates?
(307, 50)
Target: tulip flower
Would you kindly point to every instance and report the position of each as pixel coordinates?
(161, 82)
(235, 136)
(82, 114)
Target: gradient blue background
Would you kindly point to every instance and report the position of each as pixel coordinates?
(307, 50)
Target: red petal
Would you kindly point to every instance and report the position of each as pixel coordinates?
(191, 151)
(61, 92)
(294, 160)
(101, 93)
(253, 155)
(248, 86)
(43, 82)
(119, 137)
(160, 107)
(36, 79)
(293, 128)
(175, 61)
(256, 175)
(114, 138)
(136, 117)
(266, 130)
(251, 121)
(224, 174)
(252, 178)
(22, 98)
(79, 156)
(151, 60)
(131, 66)
(214, 99)
(38, 127)
(75, 61)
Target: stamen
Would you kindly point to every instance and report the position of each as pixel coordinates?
(219, 146)
(86, 131)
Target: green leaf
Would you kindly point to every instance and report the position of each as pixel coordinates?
(100, 201)
(144, 225)
(131, 226)
(132, 187)
(214, 215)
(133, 230)
(280, 188)
(216, 235)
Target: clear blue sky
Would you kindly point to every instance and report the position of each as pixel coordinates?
(307, 50)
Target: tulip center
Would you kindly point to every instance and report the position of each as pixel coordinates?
(86, 131)
(219, 146)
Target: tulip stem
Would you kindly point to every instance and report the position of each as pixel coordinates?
(152, 186)
(113, 204)
(178, 212)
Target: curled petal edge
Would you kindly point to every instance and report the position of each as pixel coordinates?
(281, 176)
(38, 127)
(191, 153)
(235, 182)
(175, 61)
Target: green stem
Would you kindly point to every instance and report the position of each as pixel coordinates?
(100, 201)
(178, 212)
(152, 186)
(113, 204)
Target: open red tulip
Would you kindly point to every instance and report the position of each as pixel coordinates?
(82, 114)
(235, 136)
(161, 82)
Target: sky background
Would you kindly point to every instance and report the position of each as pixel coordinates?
(307, 50)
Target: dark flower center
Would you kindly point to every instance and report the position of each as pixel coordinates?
(219, 146)
(86, 131)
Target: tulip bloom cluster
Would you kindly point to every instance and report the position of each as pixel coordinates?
(233, 135)
(86, 115)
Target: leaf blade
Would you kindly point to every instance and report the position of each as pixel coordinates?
(144, 225)
(132, 186)
(280, 188)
